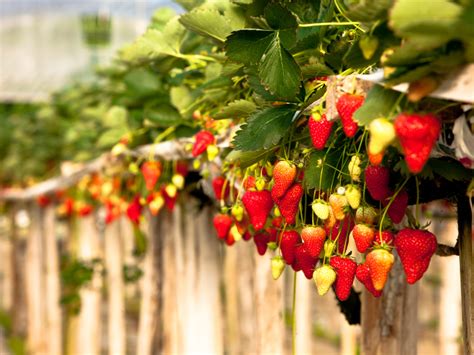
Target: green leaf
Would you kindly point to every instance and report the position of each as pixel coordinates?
(450, 169)
(369, 11)
(181, 97)
(236, 109)
(163, 115)
(317, 171)
(248, 46)
(428, 26)
(264, 129)
(315, 67)
(278, 17)
(142, 82)
(246, 159)
(378, 103)
(115, 116)
(111, 137)
(279, 72)
(210, 22)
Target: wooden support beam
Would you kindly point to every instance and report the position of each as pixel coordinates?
(466, 259)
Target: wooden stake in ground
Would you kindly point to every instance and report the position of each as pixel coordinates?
(89, 330)
(116, 293)
(53, 286)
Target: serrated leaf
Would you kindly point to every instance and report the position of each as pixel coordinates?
(317, 171)
(369, 11)
(264, 129)
(378, 103)
(210, 22)
(314, 67)
(278, 17)
(236, 109)
(279, 71)
(248, 46)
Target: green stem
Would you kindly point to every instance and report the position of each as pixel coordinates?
(321, 24)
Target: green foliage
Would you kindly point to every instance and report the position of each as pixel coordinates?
(265, 128)
(319, 171)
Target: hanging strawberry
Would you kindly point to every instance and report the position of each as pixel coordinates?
(151, 171)
(346, 105)
(202, 140)
(319, 130)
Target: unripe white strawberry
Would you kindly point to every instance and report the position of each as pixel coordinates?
(320, 209)
(324, 277)
(212, 152)
(178, 181)
(382, 133)
(278, 265)
(353, 195)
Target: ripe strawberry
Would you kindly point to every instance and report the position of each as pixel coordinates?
(258, 205)
(43, 200)
(346, 105)
(320, 209)
(417, 135)
(246, 236)
(345, 270)
(304, 261)
(415, 248)
(319, 130)
(353, 195)
(151, 171)
(363, 275)
(218, 186)
(170, 201)
(84, 209)
(338, 205)
(384, 238)
(289, 203)
(382, 133)
(272, 235)
(380, 262)
(249, 183)
(324, 277)
(377, 180)
(397, 209)
(278, 265)
(284, 173)
(202, 140)
(229, 239)
(261, 241)
(366, 215)
(313, 239)
(288, 243)
(363, 236)
(134, 210)
(340, 232)
(222, 224)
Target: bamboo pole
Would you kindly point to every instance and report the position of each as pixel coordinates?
(53, 286)
(89, 322)
(35, 286)
(115, 289)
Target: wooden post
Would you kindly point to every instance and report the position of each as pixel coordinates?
(53, 286)
(305, 292)
(149, 291)
(89, 331)
(466, 257)
(270, 332)
(115, 286)
(389, 323)
(35, 290)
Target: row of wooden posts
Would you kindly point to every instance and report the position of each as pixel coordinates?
(196, 296)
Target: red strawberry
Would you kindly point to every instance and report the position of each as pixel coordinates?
(313, 239)
(134, 210)
(417, 135)
(202, 140)
(218, 186)
(415, 248)
(288, 243)
(380, 262)
(284, 173)
(258, 205)
(43, 200)
(346, 105)
(261, 240)
(340, 229)
(222, 224)
(229, 239)
(289, 204)
(84, 209)
(304, 261)
(319, 130)
(170, 201)
(249, 183)
(151, 171)
(272, 235)
(377, 180)
(397, 209)
(345, 270)
(384, 238)
(363, 236)
(363, 275)
(247, 236)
